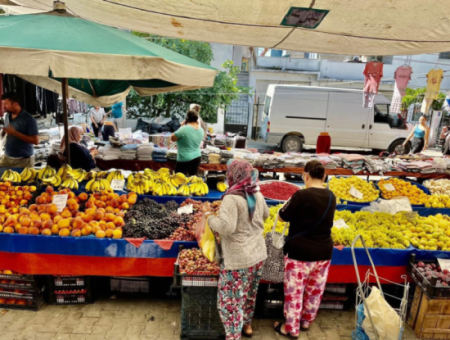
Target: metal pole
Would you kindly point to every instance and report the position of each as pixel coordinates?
(65, 93)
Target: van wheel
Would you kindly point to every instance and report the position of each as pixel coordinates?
(398, 148)
(292, 144)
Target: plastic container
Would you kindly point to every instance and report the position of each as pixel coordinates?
(424, 189)
(429, 288)
(199, 314)
(66, 290)
(276, 199)
(354, 202)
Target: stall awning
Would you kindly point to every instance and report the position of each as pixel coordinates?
(355, 27)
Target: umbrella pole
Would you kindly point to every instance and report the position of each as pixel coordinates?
(65, 93)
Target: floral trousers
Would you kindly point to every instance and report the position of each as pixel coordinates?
(237, 297)
(304, 284)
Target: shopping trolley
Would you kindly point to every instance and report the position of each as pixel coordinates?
(363, 291)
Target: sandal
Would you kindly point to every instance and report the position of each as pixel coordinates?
(247, 335)
(287, 335)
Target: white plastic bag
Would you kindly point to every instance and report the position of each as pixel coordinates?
(392, 206)
(385, 318)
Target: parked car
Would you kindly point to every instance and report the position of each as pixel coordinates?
(296, 115)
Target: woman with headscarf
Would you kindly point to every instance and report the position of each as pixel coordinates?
(80, 157)
(240, 225)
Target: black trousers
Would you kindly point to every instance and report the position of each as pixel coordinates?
(417, 145)
(189, 168)
(97, 129)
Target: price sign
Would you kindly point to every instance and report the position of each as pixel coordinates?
(187, 209)
(389, 187)
(117, 184)
(356, 193)
(444, 264)
(340, 224)
(60, 201)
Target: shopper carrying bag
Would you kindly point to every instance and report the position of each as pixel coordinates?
(308, 250)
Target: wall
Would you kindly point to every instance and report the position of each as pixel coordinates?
(221, 53)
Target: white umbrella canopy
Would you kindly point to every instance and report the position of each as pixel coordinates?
(355, 27)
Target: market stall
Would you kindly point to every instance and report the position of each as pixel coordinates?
(137, 165)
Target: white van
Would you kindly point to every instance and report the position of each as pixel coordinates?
(296, 115)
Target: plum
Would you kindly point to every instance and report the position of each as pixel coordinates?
(421, 269)
(421, 264)
(433, 265)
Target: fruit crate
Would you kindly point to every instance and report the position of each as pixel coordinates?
(429, 287)
(199, 314)
(130, 285)
(65, 290)
(31, 305)
(22, 292)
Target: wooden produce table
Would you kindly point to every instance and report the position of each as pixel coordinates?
(137, 165)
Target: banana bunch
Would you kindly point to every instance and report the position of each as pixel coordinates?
(184, 190)
(115, 175)
(97, 184)
(78, 174)
(199, 189)
(221, 186)
(139, 183)
(28, 174)
(177, 179)
(70, 182)
(90, 175)
(161, 188)
(163, 170)
(11, 176)
(165, 177)
(53, 180)
(46, 172)
(150, 173)
(64, 170)
(102, 174)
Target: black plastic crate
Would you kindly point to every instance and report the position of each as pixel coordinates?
(130, 285)
(429, 288)
(199, 314)
(31, 305)
(69, 290)
(70, 281)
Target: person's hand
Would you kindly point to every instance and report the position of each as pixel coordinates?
(425, 147)
(96, 125)
(94, 152)
(404, 144)
(9, 130)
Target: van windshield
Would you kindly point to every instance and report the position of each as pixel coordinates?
(382, 115)
(267, 105)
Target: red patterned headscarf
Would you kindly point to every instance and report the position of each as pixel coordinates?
(243, 181)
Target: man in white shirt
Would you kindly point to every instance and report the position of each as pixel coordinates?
(98, 116)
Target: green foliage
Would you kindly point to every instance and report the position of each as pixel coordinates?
(416, 96)
(224, 91)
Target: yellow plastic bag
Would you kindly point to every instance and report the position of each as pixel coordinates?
(205, 239)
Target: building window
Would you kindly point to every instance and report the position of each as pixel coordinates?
(384, 59)
(444, 55)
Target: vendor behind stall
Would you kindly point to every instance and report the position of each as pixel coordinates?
(188, 138)
(21, 134)
(80, 156)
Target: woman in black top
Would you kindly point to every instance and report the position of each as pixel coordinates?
(308, 250)
(80, 157)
